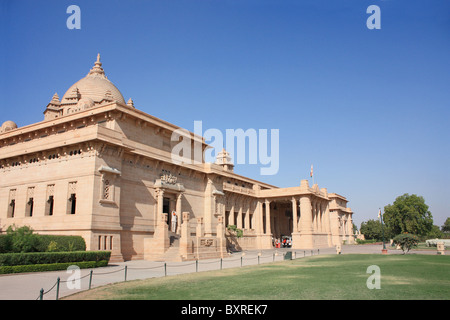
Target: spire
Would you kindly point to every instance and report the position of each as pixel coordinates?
(130, 103)
(55, 97)
(97, 68)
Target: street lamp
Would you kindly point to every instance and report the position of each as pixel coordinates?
(384, 250)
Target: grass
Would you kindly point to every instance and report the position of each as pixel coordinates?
(326, 277)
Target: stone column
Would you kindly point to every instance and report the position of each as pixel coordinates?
(209, 208)
(239, 218)
(351, 237)
(185, 241)
(231, 216)
(221, 237)
(306, 226)
(199, 229)
(268, 229)
(328, 225)
(247, 216)
(294, 215)
(321, 216)
(259, 218)
(178, 212)
(160, 203)
(334, 227)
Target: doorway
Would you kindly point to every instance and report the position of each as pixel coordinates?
(166, 209)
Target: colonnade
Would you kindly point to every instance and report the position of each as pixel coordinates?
(312, 224)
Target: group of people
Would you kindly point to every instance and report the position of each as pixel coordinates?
(283, 242)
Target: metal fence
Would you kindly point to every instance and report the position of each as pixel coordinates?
(164, 268)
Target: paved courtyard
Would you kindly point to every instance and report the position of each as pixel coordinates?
(28, 286)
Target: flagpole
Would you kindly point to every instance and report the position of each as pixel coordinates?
(384, 251)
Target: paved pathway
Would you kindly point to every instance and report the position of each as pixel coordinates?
(28, 286)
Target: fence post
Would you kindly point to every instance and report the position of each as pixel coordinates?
(258, 259)
(196, 265)
(126, 268)
(241, 261)
(165, 269)
(220, 263)
(41, 294)
(90, 279)
(57, 288)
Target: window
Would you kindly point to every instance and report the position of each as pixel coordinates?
(49, 205)
(12, 203)
(12, 208)
(30, 205)
(30, 202)
(106, 190)
(105, 242)
(72, 201)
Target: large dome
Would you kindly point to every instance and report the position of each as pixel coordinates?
(95, 86)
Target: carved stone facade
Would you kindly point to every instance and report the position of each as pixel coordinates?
(102, 169)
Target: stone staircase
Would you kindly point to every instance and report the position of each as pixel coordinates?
(173, 253)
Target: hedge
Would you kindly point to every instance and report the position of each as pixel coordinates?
(52, 267)
(36, 258)
(44, 243)
(63, 243)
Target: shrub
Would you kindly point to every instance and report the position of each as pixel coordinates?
(5, 243)
(238, 232)
(31, 258)
(24, 240)
(63, 243)
(52, 246)
(51, 267)
(406, 241)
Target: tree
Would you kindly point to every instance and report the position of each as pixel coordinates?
(408, 214)
(446, 226)
(406, 241)
(22, 239)
(371, 229)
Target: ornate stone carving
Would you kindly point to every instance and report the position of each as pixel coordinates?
(168, 178)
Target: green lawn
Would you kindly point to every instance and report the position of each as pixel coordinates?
(319, 277)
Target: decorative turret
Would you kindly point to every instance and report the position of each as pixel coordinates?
(223, 159)
(8, 126)
(130, 103)
(53, 109)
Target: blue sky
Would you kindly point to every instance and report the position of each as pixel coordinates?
(368, 108)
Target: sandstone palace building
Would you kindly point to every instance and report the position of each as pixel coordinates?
(98, 167)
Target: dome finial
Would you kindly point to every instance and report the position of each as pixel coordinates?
(97, 68)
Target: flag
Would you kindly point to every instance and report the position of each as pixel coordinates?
(311, 174)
